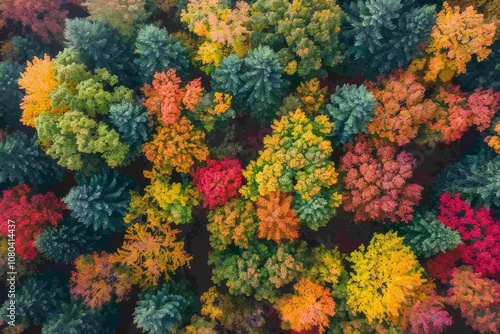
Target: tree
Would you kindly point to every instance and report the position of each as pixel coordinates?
(67, 241)
(233, 223)
(101, 46)
(97, 280)
(75, 317)
(159, 51)
(477, 298)
(26, 162)
(164, 202)
(161, 310)
(100, 201)
(376, 183)
(457, 112)
(350, 108)
(377, 288)
(260, 270)
(264, 87)
(22, 49)
(277, 220)
(402, 107)
(10, 94)
(37, 100)
(227, 77)
(46, 19)
(152, 253)
(122, 15)
(310, 98)
(428, 316)
(31, 213)
(308, 308)
(427, 236)
(474, 177)
(37, 297)
(304, 33)
(326, 266)
(456, 36)
(78, 142)
(218, 182)
(494, 141)
(222, 30)
(482, 73)
(383, 34)
(441, 265)
(176, 146)
(479, 232)
(231, 312)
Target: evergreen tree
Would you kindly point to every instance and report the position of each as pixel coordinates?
(427, 236)
(100, 201)
(23, 49)
(385, 34)
(159, 51)
(350, 109)
(25, 162)
(227, 77)
(67, 241)
(483, 74)
(10, 94)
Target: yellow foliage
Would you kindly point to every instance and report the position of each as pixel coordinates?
(38, 80)
(326, 265)
(312, 96)
(386, 278)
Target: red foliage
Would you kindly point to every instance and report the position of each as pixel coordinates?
(31, 214)
(441, 266)
(218, 182)
(376, 181)
(428, 316)
(45, 18)
(479, 232)
(458, 112)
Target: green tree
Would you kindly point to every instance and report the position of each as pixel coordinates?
(10, 94)
(100, 201)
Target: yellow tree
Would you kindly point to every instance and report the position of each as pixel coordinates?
(386, 278)
(455, 37)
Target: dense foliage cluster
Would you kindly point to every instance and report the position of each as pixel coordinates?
(250, 166)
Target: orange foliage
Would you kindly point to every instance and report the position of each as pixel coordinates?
(277, 218)
(308, 308)
(455, 37)
(38, 80)
(402, 107)
(175, 146)
(151, 253)
(97, 280)
(165, 98)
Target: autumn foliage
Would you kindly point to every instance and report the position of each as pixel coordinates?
(31, 213)
(376, 181)
(277, 220)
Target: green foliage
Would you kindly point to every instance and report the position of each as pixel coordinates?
(427, 236)
(10, 94)
(475, 177)
(350, 109)
(259, 271)
(264, 88)
(82, 90)
(36, 298)
(101, 47)
(227, 77)
(100, 201)
(25, 162)
(163, 309)
(159, 51)
(316, 212)
(385, 34)
(67, 241)
(77, 141)
(75, 318)
(485, 73)
(24, 49)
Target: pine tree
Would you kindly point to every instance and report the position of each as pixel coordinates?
(23, 49)
(67, 241)
(483, 73)
(385, 34)
(100, 201)
(10, 94)
(427, 236)
(227, 77)
(25, 162)
(350, 109)
(159, 51)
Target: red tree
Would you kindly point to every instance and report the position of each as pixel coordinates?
(441, 266)
(376, 183)
(31, 214)
(479, 232)
(218, 182)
